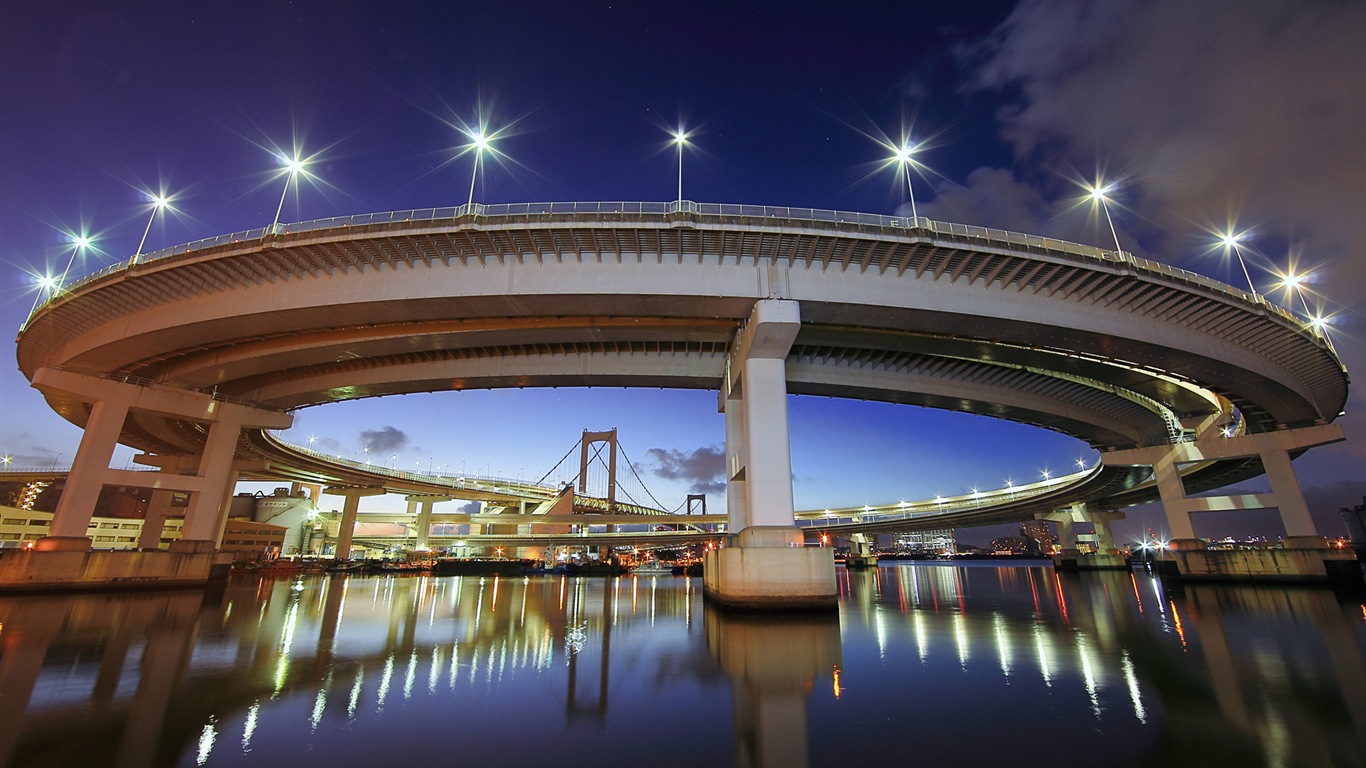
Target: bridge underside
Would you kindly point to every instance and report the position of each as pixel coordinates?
(1118, 352)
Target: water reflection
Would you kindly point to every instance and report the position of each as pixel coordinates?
(925, 662)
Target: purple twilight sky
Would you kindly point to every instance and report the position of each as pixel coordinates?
(1206, 116)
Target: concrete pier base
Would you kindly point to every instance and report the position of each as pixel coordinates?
(1072, 561)
(58, 571)
(768, 569)
(1298, 559)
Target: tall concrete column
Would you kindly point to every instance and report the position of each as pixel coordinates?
(1105, 539)
(424, 525)
(158, 510)
(1067, 537)
(1173, 494)
(736, 505)
(350, 507)
(766, 565)
(421, 507)
(71, 519)
(1285, 486)
(207, 514)
(768, 463)
(1104, 536)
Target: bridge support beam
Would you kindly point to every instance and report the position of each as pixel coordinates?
(350, 506)
(110, 403)
(1273, 448)
(1071, 558)
(766, 565)
(860, 552)
(422, 525)
(1304, 555)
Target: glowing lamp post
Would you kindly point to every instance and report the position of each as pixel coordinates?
(78, 244)
(680, 139)
(1293, 281)
(479, 141)
(1231, 240)
(1100, 193)
(904, 158)
(158, 202)
(46, 283)
(292, 168)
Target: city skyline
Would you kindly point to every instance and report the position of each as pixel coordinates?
(95, 129)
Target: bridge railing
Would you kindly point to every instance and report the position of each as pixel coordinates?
(665, 210)
(945, 505)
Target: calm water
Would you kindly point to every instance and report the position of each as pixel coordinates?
(924, 665)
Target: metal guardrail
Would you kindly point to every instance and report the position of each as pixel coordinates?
(666, 212)
(947, 505)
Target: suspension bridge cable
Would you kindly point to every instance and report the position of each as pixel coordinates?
(632, 465)
(558, 463)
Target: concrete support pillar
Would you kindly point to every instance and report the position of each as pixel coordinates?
(77, 505)
(350, 506)
(1105, 538)
(1285, 486)
(1273, 448)
(768, 471)
(1173, 493)
(313, 491)
(207, 514)
(424, 525)
(860, 552)
(736, 509)
(158, 510)
(1067, 537)
(766, 565)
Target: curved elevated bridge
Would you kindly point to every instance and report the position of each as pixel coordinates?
(189, 354)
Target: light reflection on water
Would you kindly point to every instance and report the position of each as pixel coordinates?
(924, 663)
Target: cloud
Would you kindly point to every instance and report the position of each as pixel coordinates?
(470, 508)
(703, 469)
(384, 439)
(26, 453)
(991, 197)
(1243, 113)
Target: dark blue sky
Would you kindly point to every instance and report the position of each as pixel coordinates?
(1246, 108)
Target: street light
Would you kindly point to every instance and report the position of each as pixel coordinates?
(293, 166)
(903, 158)
(158, 202)
(479, 141)
(1231, 240)
(78, 243)
(1293, 281)
(45, 283)
(1101, 193)
(680, 139)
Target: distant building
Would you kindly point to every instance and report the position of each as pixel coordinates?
(20, 528)
(1014, 545)
(1040, 535)
(937, 542)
